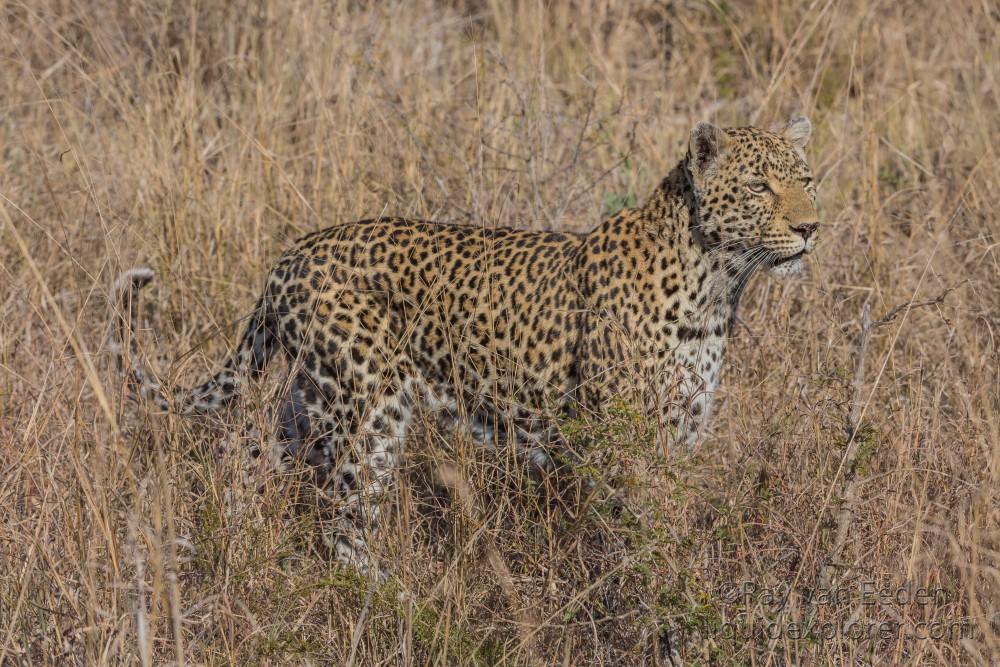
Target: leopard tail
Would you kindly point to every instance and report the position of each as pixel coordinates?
(246, 362)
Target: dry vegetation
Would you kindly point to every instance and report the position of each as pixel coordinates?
(200, 137)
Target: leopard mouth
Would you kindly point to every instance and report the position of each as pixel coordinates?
(791, 258)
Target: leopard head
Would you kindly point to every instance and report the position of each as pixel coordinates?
(754, 194)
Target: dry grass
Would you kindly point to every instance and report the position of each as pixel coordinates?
(199, 138)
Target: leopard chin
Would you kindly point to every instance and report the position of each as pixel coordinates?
(789, 266)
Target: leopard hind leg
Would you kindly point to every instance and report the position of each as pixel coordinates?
(356, 471)
(360, 397)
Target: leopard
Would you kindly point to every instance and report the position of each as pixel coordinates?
(504, 329)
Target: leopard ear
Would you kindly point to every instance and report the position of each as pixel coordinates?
(707, 143)
(797, 131)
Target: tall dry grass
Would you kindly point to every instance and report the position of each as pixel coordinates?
(200, 137)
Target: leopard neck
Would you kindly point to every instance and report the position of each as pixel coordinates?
(671, 214)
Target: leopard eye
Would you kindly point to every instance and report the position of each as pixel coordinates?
(758, 187)
(807, 180)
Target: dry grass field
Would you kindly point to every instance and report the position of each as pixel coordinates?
(845, 509)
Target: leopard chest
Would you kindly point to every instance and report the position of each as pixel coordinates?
(693, 325)
(697, 365)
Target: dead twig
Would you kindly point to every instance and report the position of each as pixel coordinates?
(849, 496)
(359, 626)
(458, 484)
(851, 481)
(910, 305)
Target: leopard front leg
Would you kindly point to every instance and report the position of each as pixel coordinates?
(691, 390)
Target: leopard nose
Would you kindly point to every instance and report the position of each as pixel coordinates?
(805, 230)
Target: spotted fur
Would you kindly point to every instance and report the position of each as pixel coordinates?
(505, 327)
